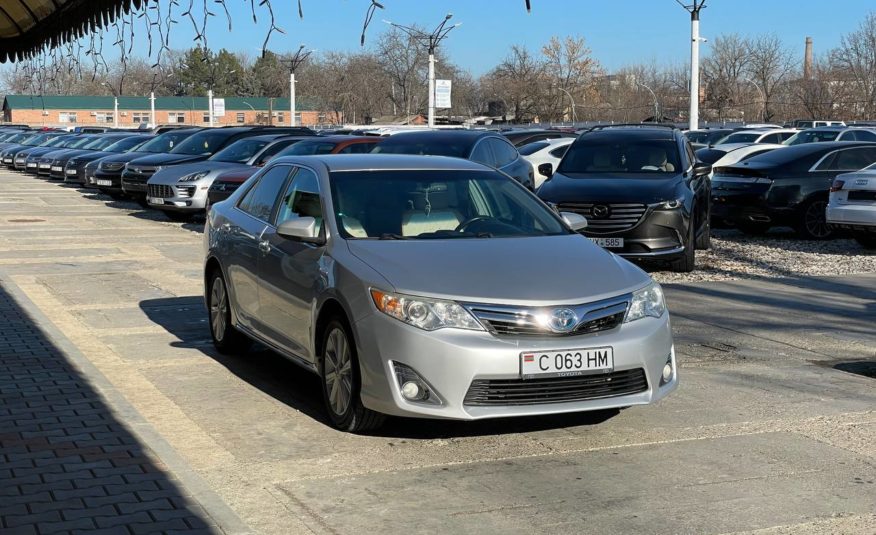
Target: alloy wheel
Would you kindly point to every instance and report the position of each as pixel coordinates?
(338, 371)
(815, 220)
(218, 308)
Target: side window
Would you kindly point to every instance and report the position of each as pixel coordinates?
(772, 138)
(504, 152)
(260, 199)
(827, 162)
(785, 135)
(483, 154)
(301, 198)
(559, 152)
(848, 135)
(865, 135)
(357, 148)
(272, 151)
(854, 159)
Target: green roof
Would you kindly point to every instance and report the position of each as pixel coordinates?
(75, 102)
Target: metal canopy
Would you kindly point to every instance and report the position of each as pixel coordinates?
(26, 26)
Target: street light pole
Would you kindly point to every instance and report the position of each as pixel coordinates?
(294, 62)
(431, 42)
(657, 118)
(572, 100)
(762, 98)
(694, 10)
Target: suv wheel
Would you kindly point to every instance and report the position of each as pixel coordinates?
(339, 371)
(226, 338)
(685, 264)
(867, 240)
(812, 221)
(704, 240)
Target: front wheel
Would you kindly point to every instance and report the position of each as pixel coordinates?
(686, 263)
(341, 383)
(704, 240)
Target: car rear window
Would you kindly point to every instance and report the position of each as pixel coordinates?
(532, 148)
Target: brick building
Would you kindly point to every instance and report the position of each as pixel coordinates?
(69, 111)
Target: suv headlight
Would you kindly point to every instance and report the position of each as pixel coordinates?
(646, 302)
(427, 314)
(194, 177)
(674, 204)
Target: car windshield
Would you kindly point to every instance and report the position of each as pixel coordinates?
(202, 143)
(740, 137)
(532, 148)
(306, 148)
(637, 156)
(17, 138)
(81, 142)
(55, 141)
(99, 143)
(402, 144)
(36, 140)
(164, 143)
(240, 151)
(811, 136)
(437, 205)
(125, 144)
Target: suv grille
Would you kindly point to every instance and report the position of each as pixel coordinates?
(517, 321)
(555, 389)
(607, 217)
(115, 166)
(159, 190)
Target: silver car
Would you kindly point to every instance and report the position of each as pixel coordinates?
(405, 283)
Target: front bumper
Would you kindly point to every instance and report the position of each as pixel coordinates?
(450, 360)
(181, 197)
(659, 234)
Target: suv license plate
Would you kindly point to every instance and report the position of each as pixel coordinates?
(566, 362)
(609, 243)
(104, 182)
(154, 200)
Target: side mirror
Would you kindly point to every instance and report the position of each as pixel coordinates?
(546, 169)
(576, 222)
(303, 229)
(700, 169)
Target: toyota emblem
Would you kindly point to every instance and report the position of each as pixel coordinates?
(563, 320)
(600, 211)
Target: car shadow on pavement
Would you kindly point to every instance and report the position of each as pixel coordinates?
(68, 460)
(186, 319)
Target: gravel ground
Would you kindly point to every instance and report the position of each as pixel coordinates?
(733, 255)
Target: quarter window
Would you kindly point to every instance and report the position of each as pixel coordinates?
(504, 152)
(259, 201)
(559, 152)
(482, 154)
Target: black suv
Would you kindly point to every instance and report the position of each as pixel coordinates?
(642, 190)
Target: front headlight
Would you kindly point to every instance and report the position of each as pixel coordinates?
(674, 204)
(194, 177)
(646, 302)
(427, 314)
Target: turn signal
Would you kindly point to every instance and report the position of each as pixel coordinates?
(837, 185)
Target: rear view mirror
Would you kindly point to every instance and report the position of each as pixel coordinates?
(303, 229)
(546, 169)
(576, 222)
(700, 168)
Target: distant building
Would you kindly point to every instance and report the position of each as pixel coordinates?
(68, 111)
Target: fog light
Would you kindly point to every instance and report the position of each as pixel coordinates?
(411, 390)
(413, 387)
(667, 373)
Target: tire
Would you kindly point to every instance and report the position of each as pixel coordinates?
(812, 221)
(341, 383)
(867, 240)
(226, 338)
(753, 229)
(704, 240)
(687, 262)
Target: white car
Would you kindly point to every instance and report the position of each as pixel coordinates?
(762, 135)
(545, 151)
(852, 205)
(724, 155)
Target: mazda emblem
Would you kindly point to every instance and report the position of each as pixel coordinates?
(563, 320)
(600, 211)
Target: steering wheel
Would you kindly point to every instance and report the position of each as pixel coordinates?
(464, 225)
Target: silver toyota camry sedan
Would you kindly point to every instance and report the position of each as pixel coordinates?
(431, 287)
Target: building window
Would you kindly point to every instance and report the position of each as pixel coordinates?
(176, 117)
(321, 118)
(206, 117)
(297, 118)
(241, 118)
(103, 117)
(67, 117)
(140, 118)
(281, 117)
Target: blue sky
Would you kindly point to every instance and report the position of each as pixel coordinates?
(620, 32)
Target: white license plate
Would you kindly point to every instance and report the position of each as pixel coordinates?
(154, 200)
(57, 168)
(609, 243)
(71, 171)
(44, 166)
(566, 362)
(104, 182)
(31, 165)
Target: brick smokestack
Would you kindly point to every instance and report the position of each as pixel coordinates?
(807, 60)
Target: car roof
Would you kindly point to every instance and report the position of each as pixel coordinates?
(827, 129)
(387, 162)
(441, 135)
(631, 131)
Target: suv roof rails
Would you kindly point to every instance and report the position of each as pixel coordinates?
(628, 125)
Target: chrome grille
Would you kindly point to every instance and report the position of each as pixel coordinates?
(607, 217)
(107, 166)
(555, 389)
(159, 190)
(593, 317)
(185, 191)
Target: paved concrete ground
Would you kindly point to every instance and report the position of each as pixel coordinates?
(773, 429)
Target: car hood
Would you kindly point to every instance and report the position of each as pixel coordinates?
(172, 174)
(37, 152)
(609, 188)
(66, 155)
(58, 153)
(93, 156)
(163, 159)
(466, 269)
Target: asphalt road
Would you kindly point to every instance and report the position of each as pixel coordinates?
(773, 429)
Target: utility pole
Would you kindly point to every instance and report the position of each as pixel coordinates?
(210, 105)
(657, 117)
(695, 39)
(295, 61)
(430, 41)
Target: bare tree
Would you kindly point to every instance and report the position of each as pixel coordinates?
(518, 82)
(569, 71)
(855, 59)
(723, 70)
(770, 65)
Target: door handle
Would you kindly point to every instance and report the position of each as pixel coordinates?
(265, 246)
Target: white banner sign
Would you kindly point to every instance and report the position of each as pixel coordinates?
(442, 93)
(218, 107)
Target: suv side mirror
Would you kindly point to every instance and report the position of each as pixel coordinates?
(576, 222)
(546, 169)
(303, 229)
(700, 168)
